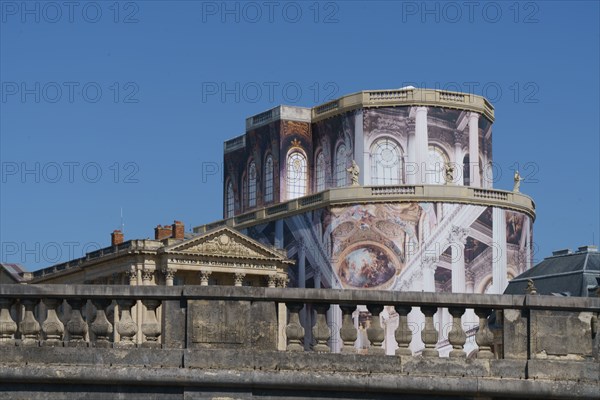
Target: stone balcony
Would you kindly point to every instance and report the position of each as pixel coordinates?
(231, 342)
(404, 97)
(381, 194)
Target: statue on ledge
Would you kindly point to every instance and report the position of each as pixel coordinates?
(449, 173)
(354, 171)
(518, 180)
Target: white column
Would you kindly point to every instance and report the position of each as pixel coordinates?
(458, 238)
(279, 234)
(421, 142)
(470, 282)
(499, 280)
(428, 267)
(360, 151)
(527, 230)
(301, 264)
(474, 149)
(317, 279)
(334, 319)
(459, 173)
(410, 172)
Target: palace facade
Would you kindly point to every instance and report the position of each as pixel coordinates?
(384, 189)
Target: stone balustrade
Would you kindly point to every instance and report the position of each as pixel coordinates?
(82, 341)
(275, 319)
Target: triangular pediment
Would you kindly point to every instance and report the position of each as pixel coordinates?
(225, 242)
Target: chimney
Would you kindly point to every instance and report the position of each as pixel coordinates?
(562, 252)
(178, 230)
(587, 249)
(162, 232)
(116, 237)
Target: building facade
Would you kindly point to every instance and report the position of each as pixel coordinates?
(385, 189)
(388, 189)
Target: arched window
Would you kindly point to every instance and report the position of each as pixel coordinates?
(229, 205)
(340, 167)
(296, 175)
(466, 171)
(386, 162)
(436, 166)
(320, 172)
(252, 184)
(244, 192)
(268, 179)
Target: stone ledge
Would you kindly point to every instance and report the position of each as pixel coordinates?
(300, 381)
(139, 357)
(564, 370)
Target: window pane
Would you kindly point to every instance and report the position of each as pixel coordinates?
(296, 175)
(252, 185)
(269, 179)
(386, 163)
(320, 173)
(340, 167)
(230, 201)
(436, 164)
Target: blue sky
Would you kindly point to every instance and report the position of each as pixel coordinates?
(107, 106)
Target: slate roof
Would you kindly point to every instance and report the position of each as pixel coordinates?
(577, 274)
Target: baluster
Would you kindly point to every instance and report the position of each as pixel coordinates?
(429, 335)
(403, 334)
(52, 327)
(126, 327)
(321, 331)
(151, 326)
(375, 332)
(29, 326)
(8, 327)
(457, 337)
(348, 332)
(484, 337)
(101, 326)
(76, 326)
(294, 330)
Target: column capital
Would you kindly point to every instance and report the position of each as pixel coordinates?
(238, 278)
(429, 262)
(473, 116)
(147, 275)
(169, 272)
(204, 275)
(132, 275)
(470, 277)
(458, 235)
(417, 109)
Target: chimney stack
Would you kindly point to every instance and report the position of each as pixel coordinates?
(162, 232)
(116, 237)
(178, 230)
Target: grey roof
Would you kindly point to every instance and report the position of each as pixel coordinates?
(577, 274)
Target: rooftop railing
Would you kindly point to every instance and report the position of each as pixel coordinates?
(370, 194)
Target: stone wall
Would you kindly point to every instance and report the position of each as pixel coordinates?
(222, 343)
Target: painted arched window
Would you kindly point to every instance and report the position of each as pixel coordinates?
(296, 175)
(466, 171)
(341, 174)
(436, 166)
(252, 184)
(244, 191)
(229, 205)
(268, 179)
(320, 172)
(386, 162)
